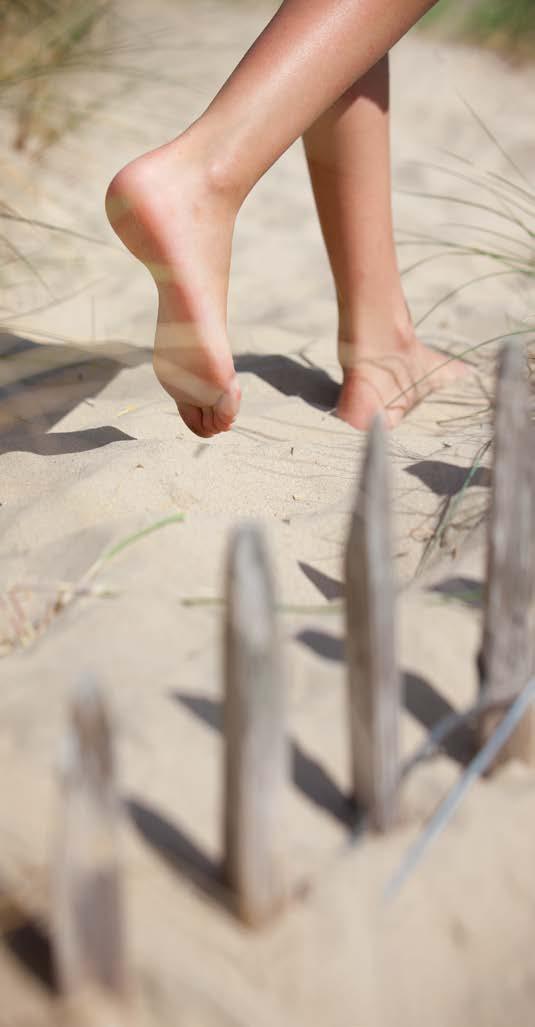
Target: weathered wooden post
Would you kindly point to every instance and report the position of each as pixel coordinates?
(87, 916)
(373, 677)
(507, 658)
(256, 754)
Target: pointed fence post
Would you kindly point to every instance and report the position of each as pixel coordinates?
(256, 755)
(373, 676)
(507, 658)
(87, 918)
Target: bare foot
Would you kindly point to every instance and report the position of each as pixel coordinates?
(391, 381)
(171, 216)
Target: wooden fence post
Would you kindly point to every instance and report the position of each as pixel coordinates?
(373, 677)
(256, 752)
(87, 920)
(508, 648)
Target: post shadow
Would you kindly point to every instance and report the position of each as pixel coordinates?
(429, 707)
(422, 701)
(461, 589)
(309, 776)
(446, 479)
(323, 644)
(173, 845)
(29, 943)
(330, 588)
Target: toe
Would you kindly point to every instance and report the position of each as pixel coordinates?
(226, 409)
(207, 421)
(193, 419)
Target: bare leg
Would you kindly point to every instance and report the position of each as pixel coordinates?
(175, 208)
(348, 153)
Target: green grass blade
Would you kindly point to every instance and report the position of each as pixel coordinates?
(131, 539)
(467, 203)
(490, 135)
(472, 281)
(478, 180)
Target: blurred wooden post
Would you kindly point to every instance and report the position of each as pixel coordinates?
(508, 648)
(87, 918)
(256, 756)
(374, 680)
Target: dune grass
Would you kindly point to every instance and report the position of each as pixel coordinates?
(505, 243)
(41, 40)
(61, 61)
(506, 25)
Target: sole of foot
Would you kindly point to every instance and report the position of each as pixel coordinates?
(167, 212)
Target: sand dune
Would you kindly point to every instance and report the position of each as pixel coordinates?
(91, 451)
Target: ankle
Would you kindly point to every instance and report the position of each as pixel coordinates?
(374, 334)
(378, 326)
(215, 163)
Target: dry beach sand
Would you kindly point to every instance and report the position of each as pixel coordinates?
(91, 451)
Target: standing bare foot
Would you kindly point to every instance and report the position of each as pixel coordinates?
(175, 217)
(388, 370)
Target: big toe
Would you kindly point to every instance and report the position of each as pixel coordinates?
(225, 411)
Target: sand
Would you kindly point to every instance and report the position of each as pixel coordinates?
(92, 451)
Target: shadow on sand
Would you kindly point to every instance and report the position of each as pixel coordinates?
(29, 944)
(291, 378)
(448, 479)
(421, 699)
(40, 384)
(308, 775)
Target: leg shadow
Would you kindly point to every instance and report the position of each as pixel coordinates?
(40, 384)
(63, 442)
(291, 378)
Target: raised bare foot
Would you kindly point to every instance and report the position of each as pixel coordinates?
(391, 379)
(171, 214)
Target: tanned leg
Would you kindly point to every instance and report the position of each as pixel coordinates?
(175, 207)
(348, 153)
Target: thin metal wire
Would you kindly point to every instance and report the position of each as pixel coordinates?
(448, 807)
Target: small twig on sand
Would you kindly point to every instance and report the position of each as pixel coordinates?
(26, 631)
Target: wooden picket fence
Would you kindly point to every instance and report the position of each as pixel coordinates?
(87, 916)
